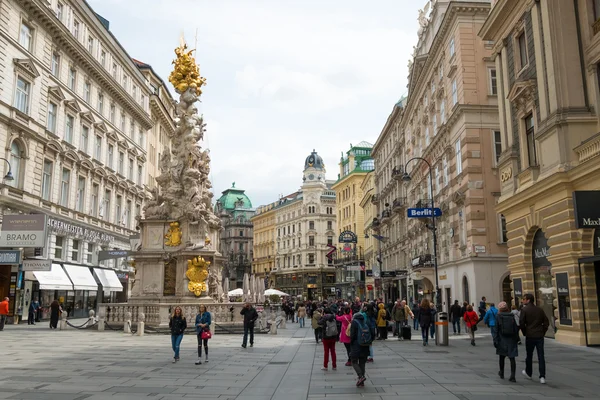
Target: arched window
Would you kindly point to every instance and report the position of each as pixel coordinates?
(16, 164)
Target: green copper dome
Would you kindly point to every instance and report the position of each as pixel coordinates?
(233, 198)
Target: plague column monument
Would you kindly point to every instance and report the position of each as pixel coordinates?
(178, 261)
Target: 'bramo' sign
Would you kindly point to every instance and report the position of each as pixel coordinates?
(23, 230)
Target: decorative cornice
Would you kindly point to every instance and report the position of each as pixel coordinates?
(26, 67)
(81, 57)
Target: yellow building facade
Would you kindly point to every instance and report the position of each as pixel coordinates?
(263, 222)
(369, 209)
(547, 56)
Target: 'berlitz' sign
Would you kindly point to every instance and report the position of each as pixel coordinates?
(424, 212)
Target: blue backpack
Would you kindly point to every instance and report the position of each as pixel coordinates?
(365, 338)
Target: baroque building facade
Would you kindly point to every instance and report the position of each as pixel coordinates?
(349, 260)
(263, 224)
(547, 57)
(235, 210)
(449, 119)
(305, 223)
(74, 121)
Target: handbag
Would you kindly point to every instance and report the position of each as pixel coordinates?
(206, 334)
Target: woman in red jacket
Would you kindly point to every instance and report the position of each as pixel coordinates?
(345, 319)
(471, 319)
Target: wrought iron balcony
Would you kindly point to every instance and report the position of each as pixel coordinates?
(397, 173)
(424, 203)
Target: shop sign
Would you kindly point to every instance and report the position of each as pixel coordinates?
(369, 287)
(424, 212)
(10, 257)
(111, 254)
(90, 235)
(479, 249)
(311, 286)
(369, 272)
(443, 277)
(37, 265)
(123, 276)
(587, 212)
(360, 267)
(332, 290)
(540, 251)
(564, 301)
(348, 237)
(350, 279)
(23, 230)
(388, 274)
(518, 288)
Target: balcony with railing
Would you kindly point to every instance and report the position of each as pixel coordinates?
(423, 203)
(397, 173)
(399, 204)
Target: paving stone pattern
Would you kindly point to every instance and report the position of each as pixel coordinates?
(40, 364)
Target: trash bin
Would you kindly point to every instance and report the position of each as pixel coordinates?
(441, 327)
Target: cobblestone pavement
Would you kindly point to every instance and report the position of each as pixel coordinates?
(75, 365)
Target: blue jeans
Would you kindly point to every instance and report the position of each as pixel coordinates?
(456, 325)
(301, 321)
(530, 345)
(416, 323)
(175, 343)
(425, 333)
(432, 330)
(248, 330)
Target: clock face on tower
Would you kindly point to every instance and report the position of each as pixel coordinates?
(311, 177)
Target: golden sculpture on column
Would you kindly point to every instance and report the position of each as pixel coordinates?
(197, 272)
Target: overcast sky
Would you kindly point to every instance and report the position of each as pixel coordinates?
(283, 76)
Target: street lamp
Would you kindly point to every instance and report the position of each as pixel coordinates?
(406, 178)
(9, 176)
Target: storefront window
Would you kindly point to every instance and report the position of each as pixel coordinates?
(564, 300)
(543, 277)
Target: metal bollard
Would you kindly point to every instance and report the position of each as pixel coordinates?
(127, 326)
(441, 327)
(140, 329)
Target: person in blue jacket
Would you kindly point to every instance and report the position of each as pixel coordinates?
(490, 318)
(203, 321)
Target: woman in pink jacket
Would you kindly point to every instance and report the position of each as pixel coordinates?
(345, 319)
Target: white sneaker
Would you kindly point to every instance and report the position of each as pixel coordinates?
(543, 381)
(525, 375)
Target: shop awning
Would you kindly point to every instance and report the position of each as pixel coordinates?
(108, 279)
(81, 276)
(55, 279)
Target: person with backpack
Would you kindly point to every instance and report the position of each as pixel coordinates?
(316, 316)
(382, 322)
(361, 337)
(346, 320)
(330, 336)
(432, 326)
(425, 320)
(370, 317)
(490, 318)
(506, 337)
(471, 320)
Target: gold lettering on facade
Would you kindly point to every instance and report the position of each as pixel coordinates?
(506, 174)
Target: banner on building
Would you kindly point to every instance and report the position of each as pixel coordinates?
(23, 230)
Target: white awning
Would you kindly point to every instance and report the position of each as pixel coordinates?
(108, 279)
(81, 276)
(55, 279)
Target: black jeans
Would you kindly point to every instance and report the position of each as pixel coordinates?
(248, 329)
(318, 334)
(530, 345)
(383, 331)
(347, 346)
(359, 366)
(200, 343)
(513, 365)
(2, 321)
(456, 324)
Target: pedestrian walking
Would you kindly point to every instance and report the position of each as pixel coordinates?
(415, 307)
(3, 312)
(370, 317)
(400, 313)
(315, 324)
(250, 317)
(55, 311)
(517, 314)
(490, 318)
(34, 306)
(178, 325)
(432, 326)
(382, 322)
(506, 336)
(345, 319)
(203, 321)
(361, 337)
(482, 308)
(330, 336)
(463, 310)
(301, 315)
(471, 320)
(425, 320)
(534, 324)
(455, 314)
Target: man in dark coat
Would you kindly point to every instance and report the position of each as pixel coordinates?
(534, 323)
(455, 314)
(506, 339)
(250, 317)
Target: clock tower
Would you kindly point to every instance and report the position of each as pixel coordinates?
(314, 171)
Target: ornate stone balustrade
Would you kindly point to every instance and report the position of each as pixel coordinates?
(588, 149)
